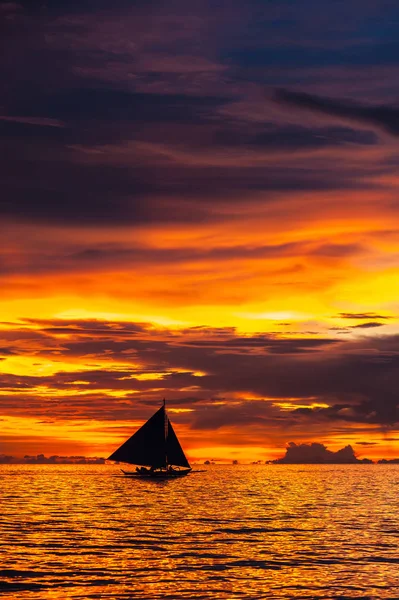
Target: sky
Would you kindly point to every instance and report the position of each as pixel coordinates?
(199, 201)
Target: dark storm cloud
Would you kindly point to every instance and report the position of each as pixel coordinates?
(383, 117)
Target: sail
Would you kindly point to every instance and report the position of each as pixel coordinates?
(174, 452)
(147, 446)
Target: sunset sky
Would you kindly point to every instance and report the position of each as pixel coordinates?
(199, 201)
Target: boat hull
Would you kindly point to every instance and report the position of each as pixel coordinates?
(157, 474)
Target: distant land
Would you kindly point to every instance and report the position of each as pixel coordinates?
(40, 459)
(296, 454)
(315, 454)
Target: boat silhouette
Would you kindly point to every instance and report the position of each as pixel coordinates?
(155, 449)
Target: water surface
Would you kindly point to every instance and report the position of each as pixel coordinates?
(259, 531)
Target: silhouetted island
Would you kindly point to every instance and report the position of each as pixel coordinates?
(40, 459)
(388, 461)
(315, 454)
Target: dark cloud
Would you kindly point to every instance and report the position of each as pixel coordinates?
(369, 325)
(355, 379)
(107, 256)
(90, 327)
(24, 127)
(63, 191)
(7, 351)
(62, 7)
(366, 443)
(267, 343)
(337, 250)
(368, 315)
(292, 137)
(76, 258)
(216, 415)
(383, 117)
(78, 89)
(97, 104)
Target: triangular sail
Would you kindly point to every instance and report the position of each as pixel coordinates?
(174, 452)
(147, 446)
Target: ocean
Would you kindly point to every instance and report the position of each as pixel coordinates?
(231, 532)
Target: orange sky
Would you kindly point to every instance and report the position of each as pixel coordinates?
(173, 226)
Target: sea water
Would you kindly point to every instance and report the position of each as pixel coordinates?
(259, 531)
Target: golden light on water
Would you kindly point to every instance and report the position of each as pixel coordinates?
(256, 531)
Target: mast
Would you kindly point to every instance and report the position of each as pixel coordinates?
(165, 432)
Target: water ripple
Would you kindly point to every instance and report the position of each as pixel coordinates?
(262, 531)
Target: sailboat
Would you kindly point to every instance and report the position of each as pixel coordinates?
(155, 449)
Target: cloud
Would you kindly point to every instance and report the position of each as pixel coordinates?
(366, 443)
(326, 380)
(34, 121)
(104, 257)
(199, 158)
(383, 117)
(96, 104)
(142, 166)
(292, 137)
(369, 325)
(58, 189)
(364, 315)
(145, 132)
